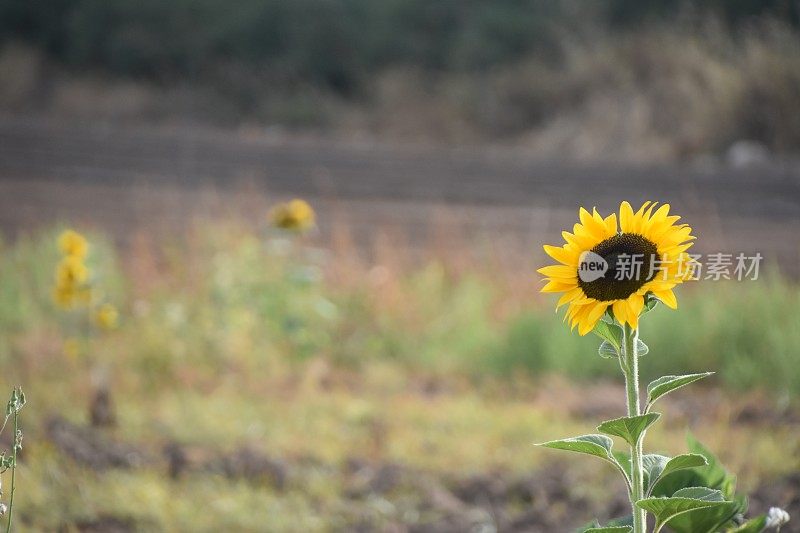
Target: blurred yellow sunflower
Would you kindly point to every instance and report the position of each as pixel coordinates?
(295, 215)
(73, 244)
(107, 317)
(69, 296)
(71, 272)
(605, 268)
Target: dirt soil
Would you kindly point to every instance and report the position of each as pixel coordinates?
(414, 500)
(128, 180)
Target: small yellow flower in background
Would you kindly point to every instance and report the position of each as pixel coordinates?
(296, 215)
(72, 348)
(107, 317)
(651, 236)
(71, 272)
(69, 297)
(73, 244)
(63, 297)
(72, 287)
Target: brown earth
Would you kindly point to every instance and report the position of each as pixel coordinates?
(542, 500)
(130, 180)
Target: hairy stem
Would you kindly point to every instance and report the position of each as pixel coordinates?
(630, 367)
(13, 472)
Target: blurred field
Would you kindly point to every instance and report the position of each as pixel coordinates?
(496, 205)
(390, 370)
(260, 380)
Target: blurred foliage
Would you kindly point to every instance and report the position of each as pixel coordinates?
(260, 304)
(333, 43)
(234, 339)
(747, 350)
(735, 12)
(656, 80)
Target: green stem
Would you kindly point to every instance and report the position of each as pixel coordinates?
(630, 367)
(13, 473)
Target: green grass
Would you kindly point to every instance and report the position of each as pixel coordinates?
(745, 331)
(236, 339)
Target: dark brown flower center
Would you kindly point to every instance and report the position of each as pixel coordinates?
(632, 261)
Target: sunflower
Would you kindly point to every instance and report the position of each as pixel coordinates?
(71, 271)
(73, 244)
(107, 317)
(296, 215)
(605, 269)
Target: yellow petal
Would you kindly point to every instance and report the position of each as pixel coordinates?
(638, 218)
(570, 295)
(668, 297)
(620, 310)
(558, 286)
(594, 314)
(660, 215)
(579, 316)
(591, 225)
(635, 304)
(611, 225)
(580, 243)
(563, 272)
(625, 217)
(662, 227)
(584, 327)
(562, 255)
(600, 222)
(660, 285)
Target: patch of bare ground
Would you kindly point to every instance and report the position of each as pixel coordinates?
(409, 499)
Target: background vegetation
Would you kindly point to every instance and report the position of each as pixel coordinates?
(266, 382)
(237, 296)
(656, 79)
(343, 40)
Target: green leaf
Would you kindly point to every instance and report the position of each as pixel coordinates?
(623, 458)
(628, 427)
(611, 333)
(650, 303)
(713, 476)
(700, 493)
(658, 388)
(658, 466)
(618, 525)
(641, 348)
(607, 350)
(686, 460)
(683, 501)
(754, 525)
(710, 520)
(597, 445)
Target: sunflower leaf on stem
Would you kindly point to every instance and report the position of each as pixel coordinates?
(641, 347)
(610, 333)
(597, 445)
(658, 466)
(629, 428)
(607, 350)
(683, 501)
(650, 302)
(665, 384)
